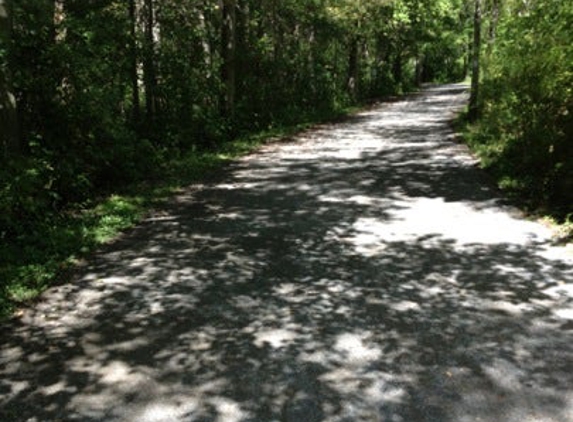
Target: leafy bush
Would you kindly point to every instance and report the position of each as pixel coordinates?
(26, 194)
(527, 104)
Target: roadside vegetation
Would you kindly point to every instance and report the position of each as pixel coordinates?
(49, 245)
(524, 131)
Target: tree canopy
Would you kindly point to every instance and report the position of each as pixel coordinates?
(526, 129)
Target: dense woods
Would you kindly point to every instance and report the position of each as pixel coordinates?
(98, 94)
(525, 133)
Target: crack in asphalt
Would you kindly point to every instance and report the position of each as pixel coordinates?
(364, 270)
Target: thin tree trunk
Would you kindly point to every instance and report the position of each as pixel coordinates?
(136, 110)
(242, 66)
(205, 42)
(419, 59)
(228, 55)
(492, 30)
(352, 78)
(397, 68)
(419, 71)
(311, 67)
(476, 47)
(9, 136)
(149, 74)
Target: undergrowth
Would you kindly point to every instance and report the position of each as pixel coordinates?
(520, 180)
(49, 246)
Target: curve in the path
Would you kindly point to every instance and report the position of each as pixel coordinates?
(365, 271)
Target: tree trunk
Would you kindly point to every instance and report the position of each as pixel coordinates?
(353, 70)
(397, 68)
(476, 47)
(149, 73)
(228, 55)
(492, 30)
(206, 42)
(136, 111)
(419, 71)
(242, 65)
(9, 136)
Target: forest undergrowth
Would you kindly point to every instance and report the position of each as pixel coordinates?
(50, 244)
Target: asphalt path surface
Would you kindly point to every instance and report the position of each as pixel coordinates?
(364, 270)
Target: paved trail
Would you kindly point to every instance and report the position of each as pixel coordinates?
(365, 271)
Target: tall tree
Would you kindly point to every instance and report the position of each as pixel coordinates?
(494, 10)
(8, 115)
(134, 61)
(353, 66)
(475, 67)
(228, 55)
(149, 65)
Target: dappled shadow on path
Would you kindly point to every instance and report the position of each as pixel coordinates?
(366, 272)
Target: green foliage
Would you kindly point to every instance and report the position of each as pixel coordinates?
(25, 194)
(527, 125)
(40, 250)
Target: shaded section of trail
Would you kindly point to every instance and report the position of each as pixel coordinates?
(366, 271)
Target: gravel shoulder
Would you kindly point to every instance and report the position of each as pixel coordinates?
(362, 271)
